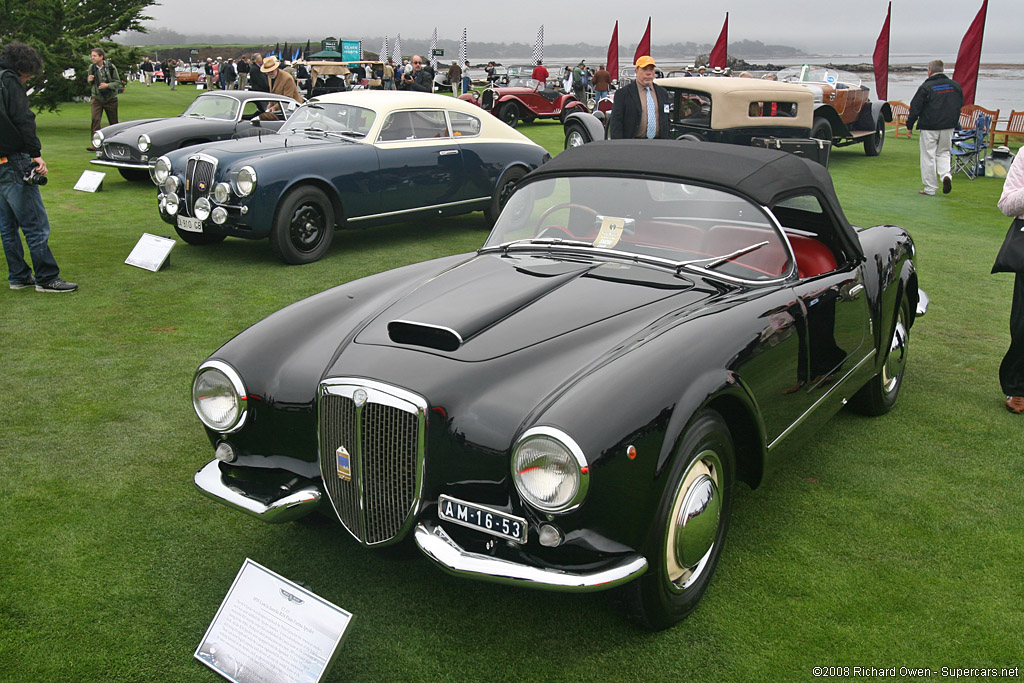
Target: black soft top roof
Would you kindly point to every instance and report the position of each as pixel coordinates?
(764, 175)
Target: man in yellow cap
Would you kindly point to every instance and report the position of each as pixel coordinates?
(641, 108)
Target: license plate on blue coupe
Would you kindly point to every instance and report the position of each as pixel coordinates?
(189, 224)
(482, 518)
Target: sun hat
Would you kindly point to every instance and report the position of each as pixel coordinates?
(269, 64)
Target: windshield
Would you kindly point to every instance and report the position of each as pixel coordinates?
(343, 119)
(213, 107)
(520, 82)
(817, 74)
(688, 226)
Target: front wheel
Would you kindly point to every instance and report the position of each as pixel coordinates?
(879, 395)
(873, 144)
(304, 226)
(822, 130)
(508, 113)
(576, 136)
(688, 533)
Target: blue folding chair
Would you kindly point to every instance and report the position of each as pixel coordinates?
(967, 152)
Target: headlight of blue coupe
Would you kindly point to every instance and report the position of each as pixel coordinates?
(549, 470)
(161, 170)
(245, 181)
(218, 396)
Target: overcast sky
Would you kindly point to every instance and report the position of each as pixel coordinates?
(822, 26)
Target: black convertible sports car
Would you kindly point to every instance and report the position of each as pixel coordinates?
(570, 407)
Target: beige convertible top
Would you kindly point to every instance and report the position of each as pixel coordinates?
(732, 99)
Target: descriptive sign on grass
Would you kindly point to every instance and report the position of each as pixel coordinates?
(90, 181)
(273, 630)
(151, 252)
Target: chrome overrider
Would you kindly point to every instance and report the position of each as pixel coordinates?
(439, 547)
(286, 509)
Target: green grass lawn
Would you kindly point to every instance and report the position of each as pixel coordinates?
(893, 541)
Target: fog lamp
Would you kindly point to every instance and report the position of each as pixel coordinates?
(550, 536)
(219, 215)
(224, 452)
(172, 204)
(171, 184)
(201, 209)
(222, 193)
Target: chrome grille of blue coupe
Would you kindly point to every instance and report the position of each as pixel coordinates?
(199, 176)
(371, 455)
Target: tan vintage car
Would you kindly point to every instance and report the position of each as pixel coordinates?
(843, 110)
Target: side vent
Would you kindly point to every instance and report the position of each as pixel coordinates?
(421, 334)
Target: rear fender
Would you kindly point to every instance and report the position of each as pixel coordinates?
(591, 124)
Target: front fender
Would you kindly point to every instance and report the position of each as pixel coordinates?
(592, 126)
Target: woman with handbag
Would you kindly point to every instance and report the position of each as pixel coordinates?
(1011, 260)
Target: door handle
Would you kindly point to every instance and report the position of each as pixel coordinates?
(447, 152)
(853, 293)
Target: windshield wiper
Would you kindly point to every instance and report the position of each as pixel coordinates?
(715, 261)
(548, 241)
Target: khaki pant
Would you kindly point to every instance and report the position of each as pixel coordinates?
(243, 78)
(98, 105)
(148, 75)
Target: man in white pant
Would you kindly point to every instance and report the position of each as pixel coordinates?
(935, 110)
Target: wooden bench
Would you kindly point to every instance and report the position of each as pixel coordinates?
(969, 117)
(1014, 126)
(900, 112)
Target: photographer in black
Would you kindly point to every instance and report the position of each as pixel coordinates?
(22, 171)
(419, 79)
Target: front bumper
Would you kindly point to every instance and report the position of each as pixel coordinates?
(120, 164)
(922, 303)
(294, 504)
(439, 547)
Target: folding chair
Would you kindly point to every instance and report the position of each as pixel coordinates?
(968, 149)
(900, 112)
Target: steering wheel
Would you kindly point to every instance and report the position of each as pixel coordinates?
(556, 207)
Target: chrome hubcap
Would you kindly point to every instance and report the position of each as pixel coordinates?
(696, 518)
(575, 139)
(897, 358)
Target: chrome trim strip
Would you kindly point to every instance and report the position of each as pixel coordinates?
(291, 507)
(119, 164)
(450, 557)
(577, 452)
(824, 397)
(422, 208)
(922, 303)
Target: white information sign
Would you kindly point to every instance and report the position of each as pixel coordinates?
(90, 181)
(272, 630)
(150, 252)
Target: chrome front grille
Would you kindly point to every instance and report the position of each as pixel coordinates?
(117, 151)
(380, 430)
(487, 99)
(199, 175)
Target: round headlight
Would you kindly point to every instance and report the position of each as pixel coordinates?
(219, 215)
(161, 170)
(246, 180)
(171, 185)
(172, 204)
(222, 193)
(218, 396)
(549, 470)
(97, 139)
(144, 143)
(201, 209)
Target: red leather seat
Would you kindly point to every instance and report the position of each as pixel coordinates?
(812, 257)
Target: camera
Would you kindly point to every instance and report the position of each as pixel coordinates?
(34, 177)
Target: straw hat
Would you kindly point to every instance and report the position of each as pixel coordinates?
(269, 64)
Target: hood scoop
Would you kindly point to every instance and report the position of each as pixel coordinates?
(452, 309)
(423, 334)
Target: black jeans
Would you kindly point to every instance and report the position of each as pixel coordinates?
(1011, 370)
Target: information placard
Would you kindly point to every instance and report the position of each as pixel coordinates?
(271, 629)
(90, 181)
(150, 252)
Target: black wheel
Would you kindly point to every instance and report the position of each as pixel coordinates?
(873, 144)
(198, 238)
(576, 136)
(688, 533)
(508, 113)
(879, 395)
(822, 130)
(135, 175)
(304, 226)
(502, 192)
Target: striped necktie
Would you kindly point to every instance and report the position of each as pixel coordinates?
(652, 115)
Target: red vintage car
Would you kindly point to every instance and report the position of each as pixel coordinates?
(526, 99)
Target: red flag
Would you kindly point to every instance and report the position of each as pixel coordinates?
(613, 53)
(644, 48)
(968, 59)
(881, 59)
(718, 52)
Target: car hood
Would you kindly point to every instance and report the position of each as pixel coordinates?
(175, 127)
(494, 305)
(269, 143)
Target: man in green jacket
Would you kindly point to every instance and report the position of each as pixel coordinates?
(105, 85)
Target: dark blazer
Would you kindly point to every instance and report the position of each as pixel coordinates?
(625, 119)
